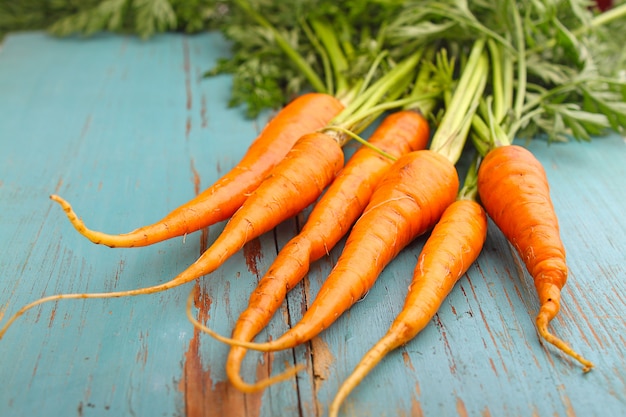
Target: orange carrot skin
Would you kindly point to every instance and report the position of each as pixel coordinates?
(345, 199)
(514, 190)
(454, 245)
(295, 183)
(406, 203)
(303, 115)
(398, 134)
(340, 206)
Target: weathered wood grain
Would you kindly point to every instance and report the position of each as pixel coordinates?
(127, 130)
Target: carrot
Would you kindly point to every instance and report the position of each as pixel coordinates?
(454, 245)
(331, 218)
(407, 202)
(514, 190)
(304, 114)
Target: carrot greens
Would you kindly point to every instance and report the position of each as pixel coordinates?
(280, 49)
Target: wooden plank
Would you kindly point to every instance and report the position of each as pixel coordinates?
(127, 130)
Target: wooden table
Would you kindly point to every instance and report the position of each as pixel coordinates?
(127, 130)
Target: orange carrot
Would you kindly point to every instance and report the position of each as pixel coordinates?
(407, 202)
(514, 190)
(331, 218)
(305, 114)
(454, 244)
(294, 183)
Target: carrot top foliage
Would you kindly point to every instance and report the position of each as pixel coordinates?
(573, 81)
(280, 49)
(567, 85)
(574, 58)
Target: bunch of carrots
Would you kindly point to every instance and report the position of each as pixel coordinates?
(479, 85)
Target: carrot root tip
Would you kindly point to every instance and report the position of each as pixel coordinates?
(544, 333)
(264, 383)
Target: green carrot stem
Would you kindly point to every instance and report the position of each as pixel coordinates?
(345, 40)
(481, 135)
(452, 132)
(602, 19)
(424, 94)
(469, 190)
(370, 73)
(368, 112)
(528, 115)
(327, 36)
(361, 141)
(497, 72)
(508, 79)
(522, 72)
(373, 95)
(358, 109)
(328, 73)
(390, 104)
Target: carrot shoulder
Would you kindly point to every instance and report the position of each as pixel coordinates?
(330, 219)
(454, 245)
(304, 114)
(514, 190)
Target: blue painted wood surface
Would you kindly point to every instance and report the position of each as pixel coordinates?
(127, 130)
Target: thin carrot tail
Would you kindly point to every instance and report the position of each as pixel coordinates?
(247, 224)
(237, 353)
(186, 276)
(169, 227)
(282, 344)
(27, 307)
(548, 310)
(183, 278)
(81, 296)
(233, 368)
(94, 236)
(385, 345)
